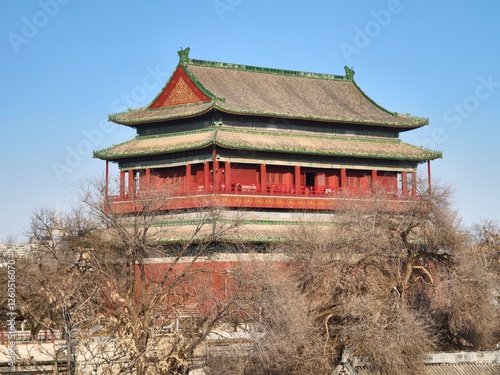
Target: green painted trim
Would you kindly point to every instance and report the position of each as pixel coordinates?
(178, 223)
(229, 239)
(258, 69)
(198, 84)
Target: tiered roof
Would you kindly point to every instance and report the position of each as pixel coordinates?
(197, 87)
(202, 86)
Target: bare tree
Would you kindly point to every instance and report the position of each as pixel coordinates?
(125, 297)
(384, 282)
(486, 255)
(53, 292)
(486, 241)
(143, 298)
(284, 338)
(382, 285)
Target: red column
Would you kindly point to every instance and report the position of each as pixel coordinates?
(374, 180)
(297, 179)
(343, 179)
(215, 163)
(122, 184)
(148, 178)
(414, 184)
(429, 176)
(404, 183)
(131, 183)
(106, 188)
(227, 176)
(263, 178)
(206, 176)
(188, 180)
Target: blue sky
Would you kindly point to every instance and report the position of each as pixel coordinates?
(67, 64)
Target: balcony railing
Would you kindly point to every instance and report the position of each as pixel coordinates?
(252, 196)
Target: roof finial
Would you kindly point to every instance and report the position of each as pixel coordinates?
(349, 73)
(183, 55)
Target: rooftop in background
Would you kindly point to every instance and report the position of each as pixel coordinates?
(16, 250)
(458, 363)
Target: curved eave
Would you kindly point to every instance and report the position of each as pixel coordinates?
(104, 155)
(161, 114)
(126, 149)
(198, 109)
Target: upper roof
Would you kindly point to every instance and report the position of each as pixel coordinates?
(197, 87)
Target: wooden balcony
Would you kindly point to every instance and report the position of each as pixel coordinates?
(285, 197)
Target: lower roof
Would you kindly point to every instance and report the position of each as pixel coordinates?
(269, 141)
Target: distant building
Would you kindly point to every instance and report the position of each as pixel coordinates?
(453, 363)
(15, 250)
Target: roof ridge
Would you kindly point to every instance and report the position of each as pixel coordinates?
(258, 69)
